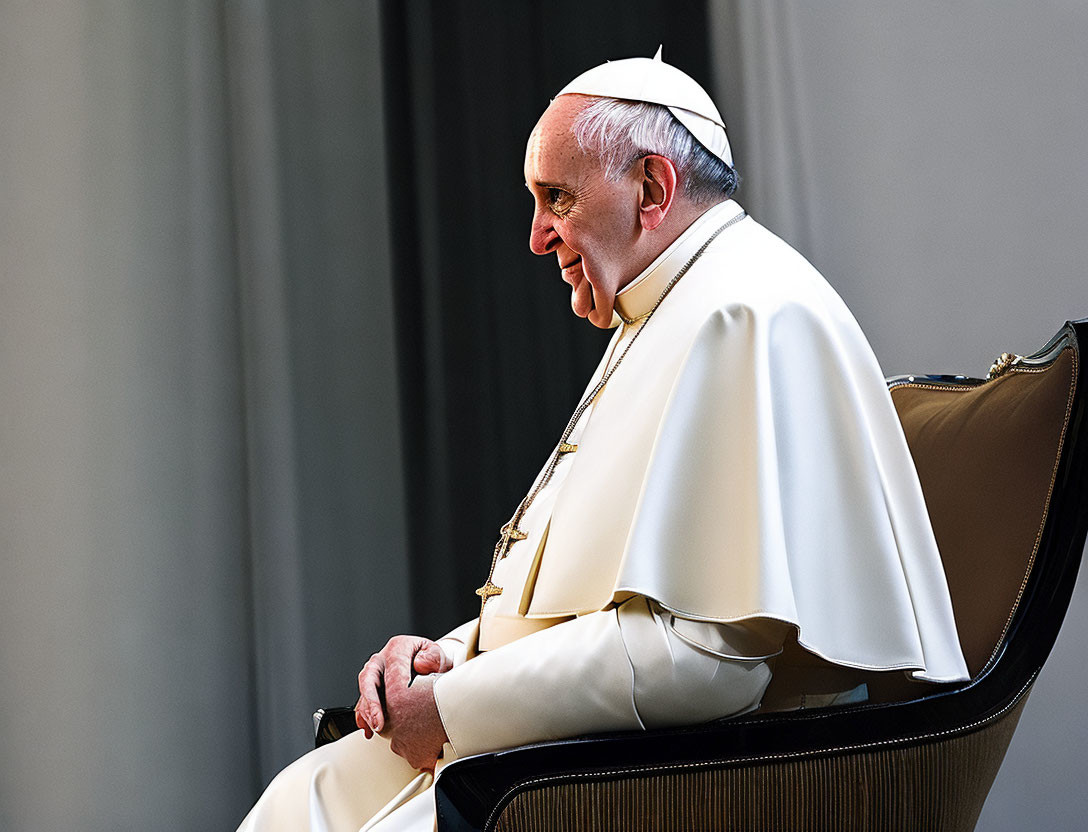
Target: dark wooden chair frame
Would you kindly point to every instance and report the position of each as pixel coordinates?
(472, 793)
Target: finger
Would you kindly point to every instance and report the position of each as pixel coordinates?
(398, 669)
(371, 678)
(367, 732)
(431, 659)
(360, 719)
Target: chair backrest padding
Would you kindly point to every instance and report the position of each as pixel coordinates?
(987, 456)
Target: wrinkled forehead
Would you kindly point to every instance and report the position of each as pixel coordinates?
(552, 151)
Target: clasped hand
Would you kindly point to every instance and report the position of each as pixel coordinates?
(400, 708)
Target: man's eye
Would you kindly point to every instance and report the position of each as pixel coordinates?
(558, 200)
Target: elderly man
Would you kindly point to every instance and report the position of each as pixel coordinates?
(732, 500)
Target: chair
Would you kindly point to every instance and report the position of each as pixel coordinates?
(1003, 464)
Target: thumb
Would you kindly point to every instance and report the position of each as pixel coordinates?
(431, 659)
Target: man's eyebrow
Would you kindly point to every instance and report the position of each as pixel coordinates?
(541, 184)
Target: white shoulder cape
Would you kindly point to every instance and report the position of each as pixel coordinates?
(746, 461)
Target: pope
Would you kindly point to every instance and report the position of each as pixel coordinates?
(730, 520)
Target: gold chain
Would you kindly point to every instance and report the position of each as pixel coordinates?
(510, 531)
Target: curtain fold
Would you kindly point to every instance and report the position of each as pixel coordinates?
(330, 580)
(124, 630)
(202, 516)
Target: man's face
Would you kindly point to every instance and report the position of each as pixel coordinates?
(588, 222)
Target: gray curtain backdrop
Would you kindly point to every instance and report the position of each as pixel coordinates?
(201, 487)
(930, 159)
(203, 461)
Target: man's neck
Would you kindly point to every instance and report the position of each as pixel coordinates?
(680, 217)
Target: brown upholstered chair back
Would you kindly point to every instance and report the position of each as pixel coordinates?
(987, 457)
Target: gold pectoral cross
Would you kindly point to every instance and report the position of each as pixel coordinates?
(510, 534)
(488, 590)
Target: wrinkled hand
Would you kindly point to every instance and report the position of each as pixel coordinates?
(408, 716)
(413, 725)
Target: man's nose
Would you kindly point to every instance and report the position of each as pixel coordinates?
(543, 238)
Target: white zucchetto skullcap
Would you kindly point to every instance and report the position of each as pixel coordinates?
(656, 82)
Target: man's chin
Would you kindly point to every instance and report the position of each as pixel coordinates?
(581, 297)
(583, 302)
(594, 316)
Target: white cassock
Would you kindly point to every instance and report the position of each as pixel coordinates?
(741, 481)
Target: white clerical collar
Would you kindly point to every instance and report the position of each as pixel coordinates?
(638, 297)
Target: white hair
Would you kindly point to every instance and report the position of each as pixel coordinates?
(620, 132)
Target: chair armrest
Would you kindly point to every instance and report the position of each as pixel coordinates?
(330, 724)
(471, 792)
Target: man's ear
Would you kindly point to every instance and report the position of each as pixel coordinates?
(657, 187)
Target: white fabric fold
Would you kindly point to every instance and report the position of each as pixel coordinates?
(611, 670)
(457, 643)
(679, 682)
(570, 679)
(746, 462)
